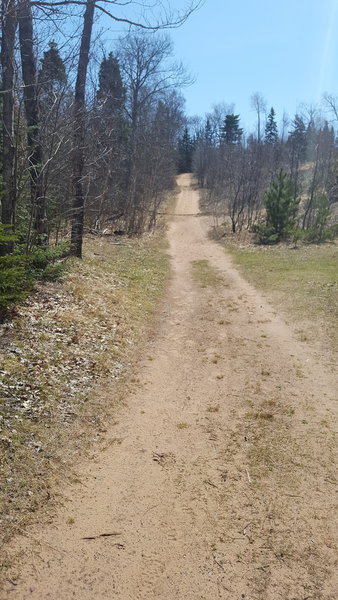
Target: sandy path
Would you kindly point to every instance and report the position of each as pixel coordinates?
(221, 482)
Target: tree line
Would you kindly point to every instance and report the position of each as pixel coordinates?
(277, 181)
(89, 134)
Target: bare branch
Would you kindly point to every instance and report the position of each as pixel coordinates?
(169, 20)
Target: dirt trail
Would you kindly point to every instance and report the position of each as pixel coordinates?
(220, 481)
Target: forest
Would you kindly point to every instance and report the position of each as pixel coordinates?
(93, 136)
(89, 135)
(279, 182)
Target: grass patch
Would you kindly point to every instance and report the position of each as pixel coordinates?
(63, 359)
(302, 282)
(261, 415)
(206, 275)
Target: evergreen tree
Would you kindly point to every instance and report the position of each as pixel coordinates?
(1, 145)
(281, 207)
(52, 72)
(271, 130)
(327, 136)
(231, 132)
(111, 92)
(208, 133)
(12, 271)
(186, 146)
(298, 137)
(321, 230)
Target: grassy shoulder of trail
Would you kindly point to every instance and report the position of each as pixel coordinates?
(290, 438)
(66, 357)
(302, 283)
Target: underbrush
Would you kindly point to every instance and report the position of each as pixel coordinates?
(20, 271)
(63, 359)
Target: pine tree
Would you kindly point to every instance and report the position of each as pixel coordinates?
(1, 146)
(271, 130)
(110, 93)
(298, 137)
(208, 134)
(12, 271)
(186, 146)
(231, 133)
(281, 207)
(52, 72)
(321, 230)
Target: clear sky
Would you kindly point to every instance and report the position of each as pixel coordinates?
(285, 49)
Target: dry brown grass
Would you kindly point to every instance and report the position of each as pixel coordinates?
(213, 409)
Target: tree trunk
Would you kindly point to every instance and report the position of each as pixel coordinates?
(79, 132)
(32, 118)
(8, 199)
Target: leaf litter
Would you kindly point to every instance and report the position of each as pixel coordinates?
(64, 342)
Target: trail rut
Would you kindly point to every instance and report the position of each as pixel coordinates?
(221, 478)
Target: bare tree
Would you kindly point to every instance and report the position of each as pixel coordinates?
(43, 158)
(168, 20)
(258, 104)
(149, 73)
(217, 116)
(331, 103)
(285, 122)
(132, 13)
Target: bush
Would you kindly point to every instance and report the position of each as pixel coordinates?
(281, 211)
(13, 273)
(19, 271)
(265, 233)
(44, 262)
(321, 230)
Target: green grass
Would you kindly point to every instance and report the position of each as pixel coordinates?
(206, 275)
(302, 283)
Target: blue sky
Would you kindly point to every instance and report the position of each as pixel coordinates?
(287, 50)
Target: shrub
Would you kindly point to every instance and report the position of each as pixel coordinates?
(265, 233)
(281, 211)
(321, 230)
(13, 273)
(19, 271)
(44, 262)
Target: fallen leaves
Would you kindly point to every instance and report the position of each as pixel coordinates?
(65, 340)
